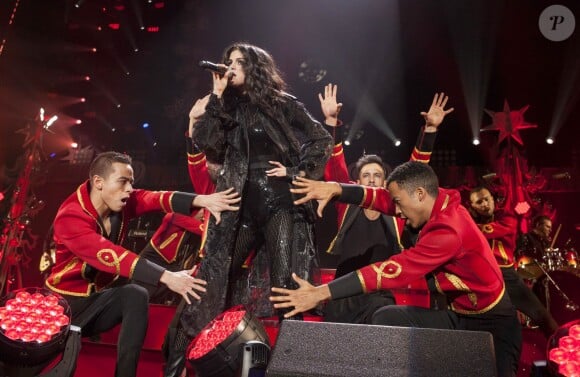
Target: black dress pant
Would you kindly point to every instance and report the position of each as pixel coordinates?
(526, 301)
(127, 305)
(505, 330)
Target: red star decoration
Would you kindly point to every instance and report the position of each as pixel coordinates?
(508, 123)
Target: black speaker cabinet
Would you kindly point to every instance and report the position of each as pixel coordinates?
(309, 349)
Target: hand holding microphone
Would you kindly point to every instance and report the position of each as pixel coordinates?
(221, 69)
(220, 75)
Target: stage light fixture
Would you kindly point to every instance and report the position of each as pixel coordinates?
(74, 145)
(550, 140)
(34, 329)
(78, 121)
(397, 142)
(564, 350)
(87, 78)
(475, 141)
(347, 142)
(218, 349)
(145, 125)
(83, 99)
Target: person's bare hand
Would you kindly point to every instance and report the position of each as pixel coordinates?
(278, 171)
(218, 202)
(434, 117)
(329, 105)
(197, 111)
(304, 298)
(220, 82)
(321, 191)
(183, 283)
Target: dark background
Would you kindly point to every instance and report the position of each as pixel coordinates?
(388, 58)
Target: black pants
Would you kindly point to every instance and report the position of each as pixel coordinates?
(357, 309)
(505, 330)
(527, 302)
(127, 305)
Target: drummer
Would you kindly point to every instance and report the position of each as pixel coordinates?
(536, 241)
(500, 228)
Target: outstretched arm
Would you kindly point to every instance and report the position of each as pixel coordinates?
(329, 105)
(218, 202)
(436, 113)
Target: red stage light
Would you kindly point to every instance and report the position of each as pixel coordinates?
(20, 316)
(153, 29)
(34, 328)
(215, 350)
(119, 7)
(564, 350)
(114, 26)
(159, 4)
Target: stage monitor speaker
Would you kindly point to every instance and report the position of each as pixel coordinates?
(336, 350)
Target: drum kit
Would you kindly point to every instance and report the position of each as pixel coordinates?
(555, 278)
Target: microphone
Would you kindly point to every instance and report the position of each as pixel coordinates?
(212, 67)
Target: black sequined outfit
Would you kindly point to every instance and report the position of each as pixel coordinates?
(245, 139)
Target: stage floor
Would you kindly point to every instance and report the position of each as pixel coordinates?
(98, 358)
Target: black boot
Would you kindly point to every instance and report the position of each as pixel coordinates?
(176, 357)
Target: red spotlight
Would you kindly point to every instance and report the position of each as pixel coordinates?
(78, 121)
(159, 5)
(83, 99)
(35, 328)
(564, 350)
(34, 322)
(74, 145)
(119, 7)
(153, 29)
(114, 26)
(87, 78)
(215, 351)
(94, 49)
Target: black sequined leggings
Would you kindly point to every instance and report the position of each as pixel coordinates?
(274, 238)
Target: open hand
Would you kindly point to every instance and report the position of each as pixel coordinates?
(436, 113)
(329, 105)
(321, 191)
(304, 298)
(218, 202)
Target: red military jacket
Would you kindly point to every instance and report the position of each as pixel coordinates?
(501, 233)
(169, 237)
(86, 261)
(450, 245)
(336, 170)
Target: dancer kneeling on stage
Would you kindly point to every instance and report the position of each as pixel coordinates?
(450, 245)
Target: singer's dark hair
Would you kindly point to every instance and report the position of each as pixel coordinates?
(264, 84)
